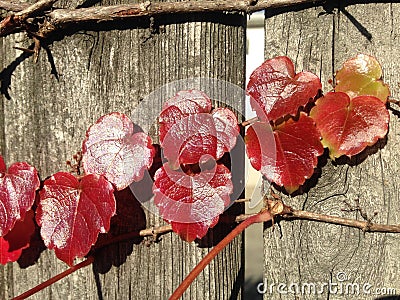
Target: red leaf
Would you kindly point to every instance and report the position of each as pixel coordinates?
(276, 91)
(183, 104)
(227, 130)
(349, 125)
(189, 131)
(114, 150)
(71, 213)
(196, 198)
(362, 75)
(18, 187)
(7, 255)
(289, 156)
(12, 244)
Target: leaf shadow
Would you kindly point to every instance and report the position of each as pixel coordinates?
(31, 255)
(226, 220)
(395, 111)
(224, 226)
(359, 158)
(129, 217)
(7, 72)
(310, 182)
(330, 8)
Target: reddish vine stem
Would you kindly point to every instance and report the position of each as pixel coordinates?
(54, 279)
(261, 217)
(275, 207)
(249, 122)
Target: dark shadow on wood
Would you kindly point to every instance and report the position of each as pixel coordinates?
(88, 3)
(237, 289)
(330, 7)
(98, 283)
(129, 217)
(309, 183)
(153, 23)
(50, 58)
(393, 297)
(224, 226)
(31, 254)
(359, 158)
(395, 111)
(6, 73)
(227, 220)
(364, 31)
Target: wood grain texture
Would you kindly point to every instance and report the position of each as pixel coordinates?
(104, 69)
(303, 252)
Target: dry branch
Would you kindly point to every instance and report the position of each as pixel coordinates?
(62, 18)
(287, 213)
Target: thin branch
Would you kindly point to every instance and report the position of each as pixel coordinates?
(366, 226)
(61, 18)
(154, 232)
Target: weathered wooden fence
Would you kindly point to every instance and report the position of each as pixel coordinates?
(112, 67)
(320, 39)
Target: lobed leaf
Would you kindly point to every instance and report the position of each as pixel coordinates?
(362, 75)
(191, 231)
(189, 131)
(180, 106)
(72, 213)
(347, 125)
(113, 149)
(192, 203)
(276, 91)
(18, 186)
(286, 154)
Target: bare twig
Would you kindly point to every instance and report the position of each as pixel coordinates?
(366, 226)
(61, 18)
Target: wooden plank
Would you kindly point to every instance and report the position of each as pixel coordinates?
(102, 70)
(302, 252)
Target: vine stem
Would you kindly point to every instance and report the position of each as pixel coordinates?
(59, 18)
(54, 279)
(366, 226)
(275, 207)
(263, 216)
(249, 122)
